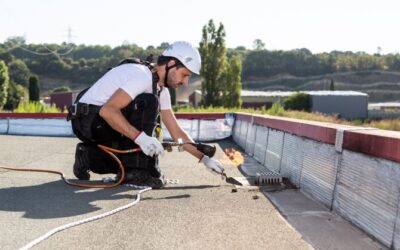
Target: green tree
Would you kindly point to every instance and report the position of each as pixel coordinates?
(163, 46)
(16, 94)
(34, 89)
(332, 85)
(258, 44)
(19, 72)
(213, 54)
(232, 97)
(4, 83)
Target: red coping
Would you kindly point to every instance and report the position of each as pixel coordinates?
(376, 145)
(311, 131)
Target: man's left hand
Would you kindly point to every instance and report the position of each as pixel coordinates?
(213, 165)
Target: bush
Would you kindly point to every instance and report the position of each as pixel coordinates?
(276, 109)
(298, 101)
(36, 107)
(61, 89)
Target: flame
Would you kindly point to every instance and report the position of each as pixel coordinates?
(233, 156)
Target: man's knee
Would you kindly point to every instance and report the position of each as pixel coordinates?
(145, 102)
(142, 112)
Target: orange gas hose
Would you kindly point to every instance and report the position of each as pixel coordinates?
(108, 150)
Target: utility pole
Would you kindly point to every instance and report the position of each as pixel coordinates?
(69, 35)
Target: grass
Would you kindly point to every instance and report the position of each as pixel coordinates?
(278, 110)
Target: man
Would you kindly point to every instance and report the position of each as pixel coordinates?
(121, 110)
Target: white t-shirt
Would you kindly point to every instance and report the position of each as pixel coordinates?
(134, 79)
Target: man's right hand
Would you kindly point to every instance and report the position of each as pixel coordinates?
(149, 145)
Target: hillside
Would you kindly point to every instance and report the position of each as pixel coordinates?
(381, 86)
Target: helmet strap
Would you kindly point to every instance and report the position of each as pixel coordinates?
(167, 68)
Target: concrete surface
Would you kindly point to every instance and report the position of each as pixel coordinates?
(199, 212)
(320, 227)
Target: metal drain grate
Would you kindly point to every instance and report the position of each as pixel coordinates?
(267, 178)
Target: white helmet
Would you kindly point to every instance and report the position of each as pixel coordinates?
(188, 55)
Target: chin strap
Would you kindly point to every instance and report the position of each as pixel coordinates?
(167, 68)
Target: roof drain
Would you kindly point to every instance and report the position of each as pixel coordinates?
(267, 178)
(260, 179)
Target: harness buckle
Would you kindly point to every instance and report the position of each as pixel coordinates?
(73, 109)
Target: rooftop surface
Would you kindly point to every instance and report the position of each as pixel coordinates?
(201, 211)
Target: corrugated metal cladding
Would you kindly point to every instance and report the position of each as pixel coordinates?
(236, 131)
(251, 167)
(367, 194)
(251, 137)
(243, 134)
(274, 150)
(261, 142)
(318, 175)
(292, 158)
(397, 233)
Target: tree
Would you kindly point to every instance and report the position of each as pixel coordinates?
(258, 44)
(163, 46)
(213, 54)
(332, 85)
(232, 95)
(4, 83)
(19, 72)
(16, 94)
(34, 89)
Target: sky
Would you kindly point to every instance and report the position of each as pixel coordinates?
(319, 25)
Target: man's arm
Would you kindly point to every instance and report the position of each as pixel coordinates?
(111, 113)
(177, 132)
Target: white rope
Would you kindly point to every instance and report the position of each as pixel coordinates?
(61, 228)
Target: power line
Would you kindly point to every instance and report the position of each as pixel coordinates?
(54, 52)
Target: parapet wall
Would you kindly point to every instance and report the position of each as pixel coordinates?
(351, 170)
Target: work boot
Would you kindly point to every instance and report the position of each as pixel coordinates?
(141, 177)
(81, 165)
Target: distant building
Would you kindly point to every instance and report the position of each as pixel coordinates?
(347, 104)
(63, 99)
